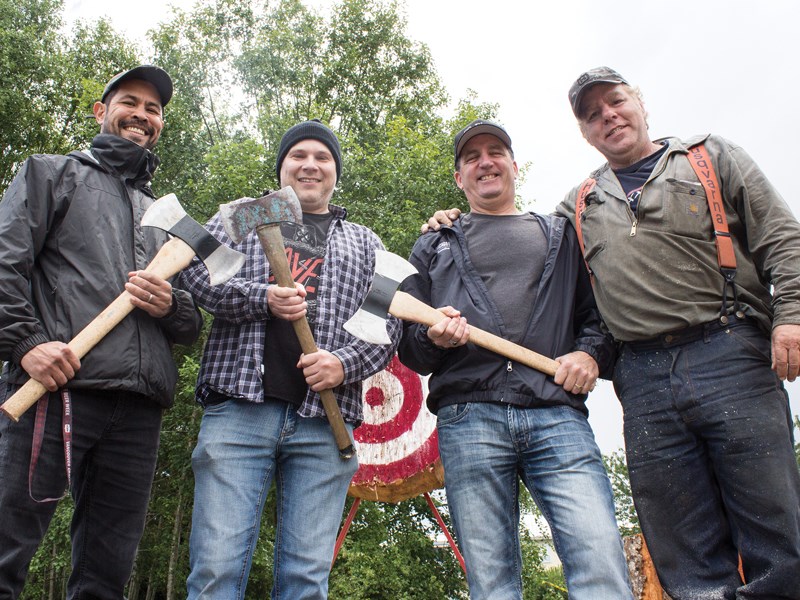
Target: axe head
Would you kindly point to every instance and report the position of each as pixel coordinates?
(167, 213)
(369, 321)
(242, 216)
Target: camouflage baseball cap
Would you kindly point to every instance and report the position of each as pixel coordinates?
(587, 80)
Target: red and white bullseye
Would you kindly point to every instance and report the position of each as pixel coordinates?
(398, 437)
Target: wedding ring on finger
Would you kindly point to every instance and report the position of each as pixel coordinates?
(150, 298)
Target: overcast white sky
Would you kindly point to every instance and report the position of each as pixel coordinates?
(721, 66)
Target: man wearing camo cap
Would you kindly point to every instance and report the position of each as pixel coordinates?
(706, 343)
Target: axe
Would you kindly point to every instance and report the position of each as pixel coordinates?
(190, 239)
(265, 215)
(369, 322)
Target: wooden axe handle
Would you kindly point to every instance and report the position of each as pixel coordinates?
(406, 307)
(272, 242)
(174, 256)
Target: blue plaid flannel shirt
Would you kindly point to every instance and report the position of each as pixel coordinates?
(233, 356)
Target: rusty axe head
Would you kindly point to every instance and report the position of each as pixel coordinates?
(369, 322)
(167, 213)
(242, 216)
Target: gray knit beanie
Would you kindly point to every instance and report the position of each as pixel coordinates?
(314, 130)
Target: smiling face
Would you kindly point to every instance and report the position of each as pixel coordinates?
(310, 169)
(486, 174)
(613, 120)
(132, 111)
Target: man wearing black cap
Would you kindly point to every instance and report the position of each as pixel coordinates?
(697, 275)
(263, 418)
(520, 276)
(70, 241)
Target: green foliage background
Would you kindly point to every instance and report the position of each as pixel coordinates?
(244, 71)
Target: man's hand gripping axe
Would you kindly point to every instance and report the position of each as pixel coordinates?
(190, 239)
(265, 215)
(369, 322)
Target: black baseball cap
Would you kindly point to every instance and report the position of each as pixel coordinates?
(150, 73)
(587, 80)
(477, 127)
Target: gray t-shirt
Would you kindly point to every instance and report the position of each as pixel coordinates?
(509, 252)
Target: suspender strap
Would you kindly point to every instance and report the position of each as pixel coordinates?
(38, 438)
(580, 206)
(698, 158)
(726, 258)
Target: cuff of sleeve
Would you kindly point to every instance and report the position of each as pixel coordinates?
(173, 307)
(350, 364)
(604, 360)
(258, 302)
(426, 343)
(26, 346)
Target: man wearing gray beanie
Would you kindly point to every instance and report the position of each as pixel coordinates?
(263, 416)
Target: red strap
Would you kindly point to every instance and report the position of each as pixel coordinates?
(580, 206)
(38, 438)
(449, 537)
(698, 158)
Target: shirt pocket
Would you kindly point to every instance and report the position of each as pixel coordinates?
(593, 226)
(688, 213)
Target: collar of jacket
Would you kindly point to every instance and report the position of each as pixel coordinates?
(125, 158)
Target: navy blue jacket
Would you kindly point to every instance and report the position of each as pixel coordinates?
(564, 319)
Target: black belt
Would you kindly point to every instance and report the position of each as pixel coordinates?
(684, 336)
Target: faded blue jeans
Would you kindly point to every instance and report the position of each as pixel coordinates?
(708, 435)
(486, 448)
(241, 448)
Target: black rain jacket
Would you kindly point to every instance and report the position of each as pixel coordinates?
(70, 231)
(564, 319)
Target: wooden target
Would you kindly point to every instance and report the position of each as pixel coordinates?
(397, 445)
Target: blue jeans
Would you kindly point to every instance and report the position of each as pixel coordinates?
(241, 448)
(114, 450)
(708, 435)
(485, 449)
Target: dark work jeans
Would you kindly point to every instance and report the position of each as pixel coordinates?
(114, 448)
(708, 436)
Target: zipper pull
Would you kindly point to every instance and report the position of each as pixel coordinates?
(508, 367)
(633, 227)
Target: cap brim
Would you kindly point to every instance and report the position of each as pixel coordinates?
(577, 103)
(156, 76)
(486, 128)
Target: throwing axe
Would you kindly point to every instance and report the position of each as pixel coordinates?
(369, 322)
(190, 239)
(265, 215)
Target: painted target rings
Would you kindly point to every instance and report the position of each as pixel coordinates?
(397, 444)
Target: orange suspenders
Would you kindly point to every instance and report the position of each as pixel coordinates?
(726, 258)
(702, 166)
(580, 206)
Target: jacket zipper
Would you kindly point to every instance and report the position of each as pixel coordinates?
(663, 165)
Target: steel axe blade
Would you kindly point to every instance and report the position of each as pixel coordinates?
(369, 322)
(221, 261)
(174, 256)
